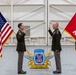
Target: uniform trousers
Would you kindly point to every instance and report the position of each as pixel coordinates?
(57, 60)
(20, 60)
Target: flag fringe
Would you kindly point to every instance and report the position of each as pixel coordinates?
(1, 56)
(70, 35)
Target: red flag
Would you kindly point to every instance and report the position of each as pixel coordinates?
(71, 27)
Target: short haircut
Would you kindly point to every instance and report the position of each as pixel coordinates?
(19, 25)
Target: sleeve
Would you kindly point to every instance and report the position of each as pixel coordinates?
(50, 32)
(20, 35)
(58, 37)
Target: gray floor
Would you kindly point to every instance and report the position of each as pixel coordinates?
(8, 64)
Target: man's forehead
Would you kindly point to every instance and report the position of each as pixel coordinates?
(22, 25)
(55, 23)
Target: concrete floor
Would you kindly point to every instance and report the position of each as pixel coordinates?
(8, 63)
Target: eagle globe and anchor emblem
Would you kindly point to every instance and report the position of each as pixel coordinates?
(39, 60)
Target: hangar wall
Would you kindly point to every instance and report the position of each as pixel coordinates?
(38, 14)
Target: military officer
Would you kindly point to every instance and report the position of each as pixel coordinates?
(56, 46)
(21, 48)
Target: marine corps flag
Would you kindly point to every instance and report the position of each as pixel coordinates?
(71, 27)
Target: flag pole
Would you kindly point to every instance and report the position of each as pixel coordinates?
(63, 32)
(75, 45)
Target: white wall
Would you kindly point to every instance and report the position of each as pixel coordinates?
(16, 11)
